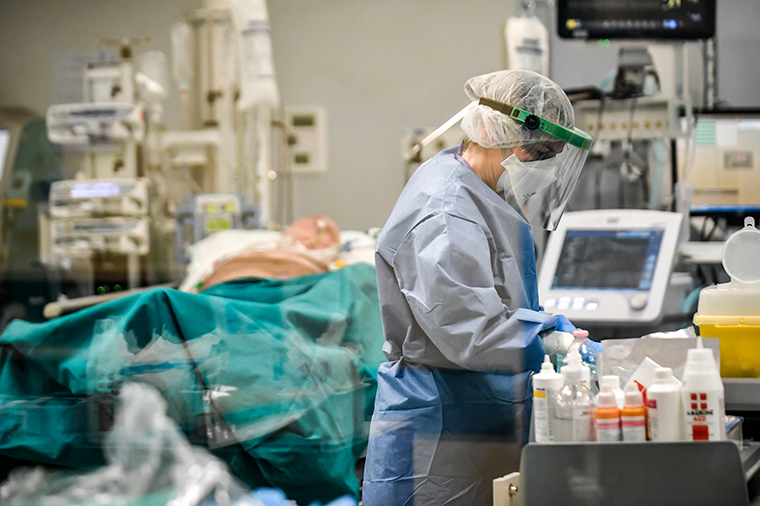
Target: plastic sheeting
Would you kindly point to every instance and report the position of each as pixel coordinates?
(148, 462)
(277, 377)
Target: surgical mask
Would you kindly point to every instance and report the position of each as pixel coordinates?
(525, 179)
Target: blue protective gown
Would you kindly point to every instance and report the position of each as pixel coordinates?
(456, 274)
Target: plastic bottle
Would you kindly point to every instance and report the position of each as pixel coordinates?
(703, 397)
(664, 409)
(546, 386)
(574, 356)
(574, 411)
(614, 382)
(607, 415)
(579, 337)
(588, 358)
(633, 417)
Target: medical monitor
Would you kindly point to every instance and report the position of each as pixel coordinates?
(627, 257)
(636, 19)
(5, 141)
(609, 265)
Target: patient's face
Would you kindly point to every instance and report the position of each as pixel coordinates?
(314, 232)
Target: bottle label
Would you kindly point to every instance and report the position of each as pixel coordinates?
(705, 416)
(583, 422)
(608, 429)
(653, 420)
(634, 428)
(541, 415)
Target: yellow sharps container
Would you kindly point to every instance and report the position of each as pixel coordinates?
(731, 311)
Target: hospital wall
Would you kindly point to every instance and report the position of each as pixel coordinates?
(378, 67)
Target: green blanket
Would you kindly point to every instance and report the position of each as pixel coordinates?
(277, 377)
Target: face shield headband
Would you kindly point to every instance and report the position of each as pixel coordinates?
(573, 136)
(539, 187)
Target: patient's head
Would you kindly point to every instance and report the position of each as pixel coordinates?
(314, 232)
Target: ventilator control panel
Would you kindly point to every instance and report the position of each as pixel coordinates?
(609, 265)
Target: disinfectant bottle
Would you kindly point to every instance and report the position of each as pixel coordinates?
(580, 337)
(574, 354)
(546, 387)
(633, 417)
(703, 396)
(664, 408)
(607, 415)
(588, 359)
(614, 382)
(574, 411)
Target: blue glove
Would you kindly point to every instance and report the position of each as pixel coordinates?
(564, 325)
(588, 351)
(596, 346)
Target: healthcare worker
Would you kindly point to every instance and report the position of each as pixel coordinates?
(456, 273)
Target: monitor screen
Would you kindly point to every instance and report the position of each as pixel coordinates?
(608, 259)
(5, 141)
(636, 19)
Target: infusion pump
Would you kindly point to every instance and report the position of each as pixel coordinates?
(94, 123)
(609, 266)
(88, 198)
(82, 237)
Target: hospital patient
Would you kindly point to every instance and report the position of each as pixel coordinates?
(308, 246)
(456, 274)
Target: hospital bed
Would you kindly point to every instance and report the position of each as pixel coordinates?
(275, 376)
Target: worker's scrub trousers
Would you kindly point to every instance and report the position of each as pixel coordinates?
(440, 437)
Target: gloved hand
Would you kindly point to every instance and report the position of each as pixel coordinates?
(589, 349)
(563, 324)
(595, 346)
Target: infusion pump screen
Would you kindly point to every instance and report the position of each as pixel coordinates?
(608, 259)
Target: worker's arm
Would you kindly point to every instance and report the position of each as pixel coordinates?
(444, 269)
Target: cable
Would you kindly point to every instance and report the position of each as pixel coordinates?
(627, 155)
(644, 177)
(600, 169)
(691, 148)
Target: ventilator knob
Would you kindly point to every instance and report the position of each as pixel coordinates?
(638, 301)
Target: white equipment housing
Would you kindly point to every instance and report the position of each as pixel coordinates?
(609, 266)
(82, 198)
(95, 123)
(82, 237)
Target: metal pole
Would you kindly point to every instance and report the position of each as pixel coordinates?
(133, 271)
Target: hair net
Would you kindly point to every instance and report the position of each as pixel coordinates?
(524, 89)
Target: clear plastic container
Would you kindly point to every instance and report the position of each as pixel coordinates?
(574, 411)
(581, 346)
(731, 311)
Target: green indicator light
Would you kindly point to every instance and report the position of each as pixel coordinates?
(101, 290)
(117, 288)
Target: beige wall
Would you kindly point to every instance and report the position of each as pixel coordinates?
(378, 66)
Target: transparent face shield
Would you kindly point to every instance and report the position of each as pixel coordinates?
(540, 176)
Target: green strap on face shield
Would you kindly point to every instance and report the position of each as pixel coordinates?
(573, 136)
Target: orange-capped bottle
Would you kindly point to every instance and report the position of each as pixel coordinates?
(633, 417)
(607, 415)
